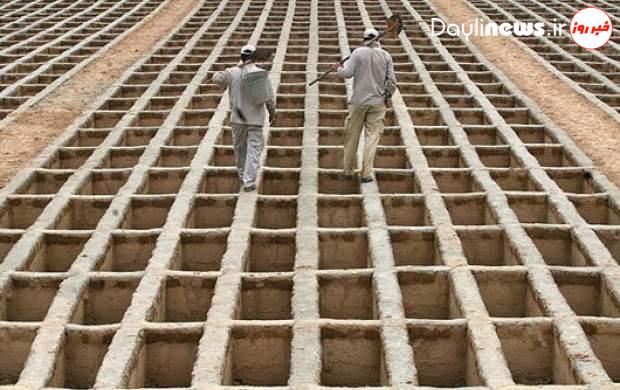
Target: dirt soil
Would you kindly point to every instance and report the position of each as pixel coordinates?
(596, 133)
(31, 131)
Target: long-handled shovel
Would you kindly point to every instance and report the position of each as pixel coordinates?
(393, 28)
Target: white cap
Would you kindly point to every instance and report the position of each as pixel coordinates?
(370, 33)
(248, 49)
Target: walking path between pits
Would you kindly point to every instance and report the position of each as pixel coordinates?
(596, 133)
(31, 131)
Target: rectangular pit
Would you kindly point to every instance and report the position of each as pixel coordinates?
(147, 213)
(200, 252)
(279, 182)
(456, 181)
(508, 294)
(405, 210)
(265, 298)
(534, 354)
(470, 210)
(209, 212)
(395, 182)
(16, 343)
(128, 252)
(220, 181)
(82, 214)
(104, 301)
(271, 252)
(336, 183)
(163, 181)
(414, 247)
(343, 212)
(344, 250)
(165, 359)
(558, 247)
(534, 209)
(489, 247)
(352, 357)
(21, 213)
(80, 358)
(605, 342)
(184, 299)
(247, 344)
(444, 356)
(587, 293)
(428, 295)
(102, 182)
(28, 300)
(56, 252)
(276, 213)
(347, 297)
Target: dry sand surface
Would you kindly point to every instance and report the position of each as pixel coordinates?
(26, 136)
(597, 134)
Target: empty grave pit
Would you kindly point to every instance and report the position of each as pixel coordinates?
(444, 355)
(417, 246)
(344, 249)
(271, 252)
(470, 210)
(44, 183)
(80, 357)
(7, 242)
(534, 354)
(104, 300)
(210, 212)
(82, 214)
(587, 293)
(265, 298)
(21, 213)
(165, 358)
(352, 356)
(604, 339)
(163, 181)
(16, 344)
(347, 296)
(534, 209)
(28, 299)
(428, 295)
(508, 294)
(200, 252)
(279, 182)
(105, 182)
(276, 213)
(488, 246)
(147, 212)
(128, 252)
(57, 252)
(558, 247)
(247, 347)
(405, 210)
(340, 212)
(184, 299)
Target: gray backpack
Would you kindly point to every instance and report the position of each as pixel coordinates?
(257, 87)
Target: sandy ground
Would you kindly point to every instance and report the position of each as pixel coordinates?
(26, 136)
(597, 134)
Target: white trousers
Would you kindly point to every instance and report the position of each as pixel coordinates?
(248, 143)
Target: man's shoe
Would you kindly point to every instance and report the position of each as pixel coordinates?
(249, 188)
(366, 179)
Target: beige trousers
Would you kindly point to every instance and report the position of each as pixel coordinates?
(372, 118)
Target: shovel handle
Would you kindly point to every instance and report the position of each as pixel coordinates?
(333, 68)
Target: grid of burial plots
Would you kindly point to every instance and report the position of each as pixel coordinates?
(485, 252)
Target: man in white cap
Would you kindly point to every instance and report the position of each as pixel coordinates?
(247, 117)
(374, 83)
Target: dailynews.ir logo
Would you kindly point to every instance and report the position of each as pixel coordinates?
(591, 28)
